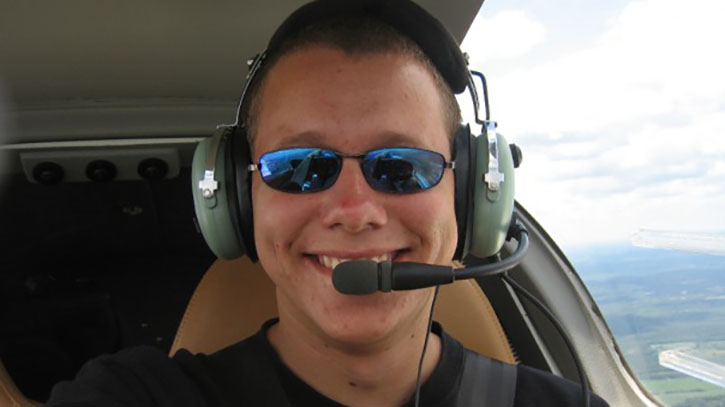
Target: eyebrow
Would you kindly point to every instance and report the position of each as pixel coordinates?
(306, 139)
(395, 139)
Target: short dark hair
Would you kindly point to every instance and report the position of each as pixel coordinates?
(354, 35)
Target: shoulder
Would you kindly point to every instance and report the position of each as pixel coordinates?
(242, 359)
(139, 376)
(538, 388)
(534, 387)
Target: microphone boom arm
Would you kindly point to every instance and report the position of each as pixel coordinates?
(485, 270)
(361, 277)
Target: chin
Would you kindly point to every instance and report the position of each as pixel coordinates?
(362, 320)
(358, 333)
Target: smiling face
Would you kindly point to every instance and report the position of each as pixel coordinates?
(321, 97)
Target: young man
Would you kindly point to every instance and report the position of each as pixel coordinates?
(341, 81)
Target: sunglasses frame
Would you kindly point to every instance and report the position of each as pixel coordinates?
(361, 158)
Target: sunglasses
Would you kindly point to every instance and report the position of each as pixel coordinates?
(399, 170)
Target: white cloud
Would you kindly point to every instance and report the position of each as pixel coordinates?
(650, 63)
(508, 34)
(717, 170)
(626, 133)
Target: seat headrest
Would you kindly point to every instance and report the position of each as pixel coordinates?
(235, 297)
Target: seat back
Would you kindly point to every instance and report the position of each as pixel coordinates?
(235, 297)
(10, 396)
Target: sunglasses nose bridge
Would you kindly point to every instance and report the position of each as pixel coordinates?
(360, 158)
(359, 178)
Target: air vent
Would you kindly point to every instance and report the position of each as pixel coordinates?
(48, 173)
(153, 169)
(100, 164)
(101, 171)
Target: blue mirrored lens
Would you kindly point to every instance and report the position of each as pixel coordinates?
(403, 170)
(300, 169)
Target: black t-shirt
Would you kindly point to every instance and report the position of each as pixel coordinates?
(250, 373)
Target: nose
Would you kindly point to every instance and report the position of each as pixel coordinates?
(351, 204)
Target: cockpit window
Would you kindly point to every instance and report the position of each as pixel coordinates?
(618, 108)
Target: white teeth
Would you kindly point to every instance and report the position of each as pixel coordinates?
(332, 262)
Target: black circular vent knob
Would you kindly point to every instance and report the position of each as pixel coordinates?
(101, 171)
(48, 173)
(153, 169)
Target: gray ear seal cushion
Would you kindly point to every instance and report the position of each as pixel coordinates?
(464, 156)
(243, 216)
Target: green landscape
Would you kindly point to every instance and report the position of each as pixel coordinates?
(658, 300)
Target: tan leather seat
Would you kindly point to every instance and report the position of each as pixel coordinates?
(10, 396)
(235, 297)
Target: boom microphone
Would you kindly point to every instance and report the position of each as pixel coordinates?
(360, 277)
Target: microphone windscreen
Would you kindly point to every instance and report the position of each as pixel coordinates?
(356, 277)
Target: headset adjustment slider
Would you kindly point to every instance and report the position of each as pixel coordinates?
(208, 185)
(493, 177)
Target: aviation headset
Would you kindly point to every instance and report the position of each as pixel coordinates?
(484, 165)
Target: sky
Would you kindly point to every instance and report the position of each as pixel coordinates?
(619, 108)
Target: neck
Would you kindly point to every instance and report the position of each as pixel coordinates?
(380, 374)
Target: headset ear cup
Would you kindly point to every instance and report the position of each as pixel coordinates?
(492, 210)
(213, 214)
(464, 156)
